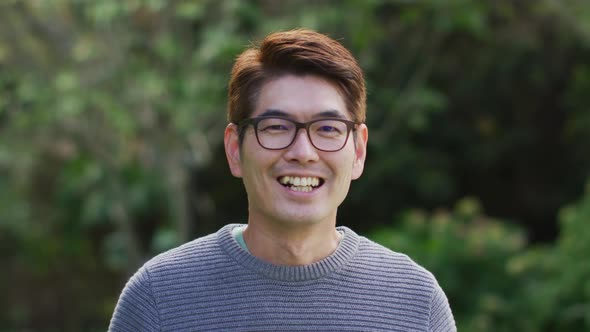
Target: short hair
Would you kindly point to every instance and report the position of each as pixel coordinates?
(298, 52)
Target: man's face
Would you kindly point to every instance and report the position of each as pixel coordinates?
(269, 175)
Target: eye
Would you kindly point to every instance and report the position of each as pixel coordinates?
(274, 126)
(329, 129)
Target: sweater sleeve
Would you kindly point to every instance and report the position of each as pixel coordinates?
(441, 317)
(136, 309)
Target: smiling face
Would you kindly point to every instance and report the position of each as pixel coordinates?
(298, 184)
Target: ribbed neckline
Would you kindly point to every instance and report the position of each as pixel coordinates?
(344, 252)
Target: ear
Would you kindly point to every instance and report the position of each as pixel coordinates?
(360, 149)
(232, 149)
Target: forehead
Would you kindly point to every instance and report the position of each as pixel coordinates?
(301, 97)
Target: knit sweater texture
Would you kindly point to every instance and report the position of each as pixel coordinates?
(213, 284)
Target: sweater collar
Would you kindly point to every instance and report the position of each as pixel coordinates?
(344, 252)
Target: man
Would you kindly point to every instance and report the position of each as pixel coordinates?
(297, 138)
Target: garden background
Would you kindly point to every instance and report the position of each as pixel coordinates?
(111, 121)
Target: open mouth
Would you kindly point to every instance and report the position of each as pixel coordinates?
(303, 184)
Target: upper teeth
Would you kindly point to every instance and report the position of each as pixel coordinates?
(300, 181)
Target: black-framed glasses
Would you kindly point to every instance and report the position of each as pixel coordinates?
(276, 133)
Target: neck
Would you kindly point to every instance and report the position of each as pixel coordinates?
(292, 246)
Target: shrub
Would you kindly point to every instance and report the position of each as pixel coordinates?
(470, 254)
(493, 281)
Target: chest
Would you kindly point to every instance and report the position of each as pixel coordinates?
(251, 304)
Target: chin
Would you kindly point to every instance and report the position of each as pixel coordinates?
(303, 218)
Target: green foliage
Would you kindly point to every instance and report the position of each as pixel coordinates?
(111, 122)
(468, 253)
(494, 282)
(556, 279)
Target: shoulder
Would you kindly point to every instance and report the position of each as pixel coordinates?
(186, 256)
(386, 262)
(394, 279)
(139, 305)
(202, 246)
(193, 256)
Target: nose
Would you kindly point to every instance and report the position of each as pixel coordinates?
(301, 150)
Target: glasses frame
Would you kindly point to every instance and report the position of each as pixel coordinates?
(350, 126)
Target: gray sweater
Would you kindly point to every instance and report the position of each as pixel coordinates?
(213, 284)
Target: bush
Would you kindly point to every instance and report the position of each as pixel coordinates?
(494, 282)
(562, 273)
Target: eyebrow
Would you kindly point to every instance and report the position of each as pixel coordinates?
(330, 114)
(275, 112)
(324, 114)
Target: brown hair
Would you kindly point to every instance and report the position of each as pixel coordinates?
(296, 52)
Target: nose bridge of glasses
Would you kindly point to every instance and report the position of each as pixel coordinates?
(307, 132)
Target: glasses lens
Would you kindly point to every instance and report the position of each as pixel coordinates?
(328, 135)
(275, 133)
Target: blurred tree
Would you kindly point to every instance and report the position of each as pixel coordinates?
(112, 113)
(475, 98)
(107, 107)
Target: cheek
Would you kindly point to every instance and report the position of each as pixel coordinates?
(255, 169)
(343, 167)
